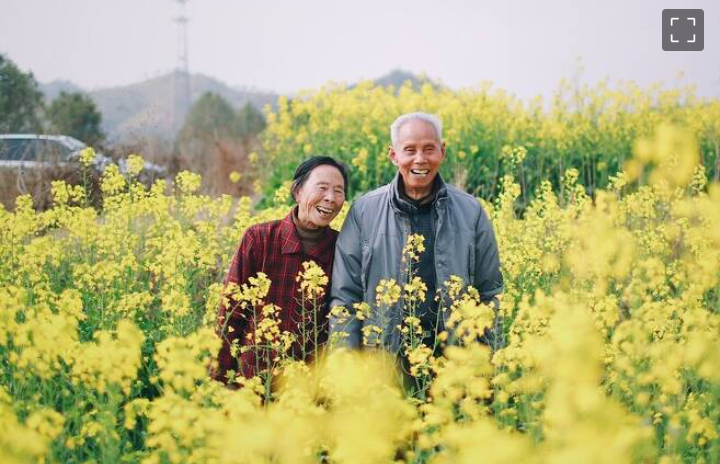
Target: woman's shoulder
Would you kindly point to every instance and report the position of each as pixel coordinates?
(263, 231)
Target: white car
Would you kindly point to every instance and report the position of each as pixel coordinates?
(30, 162)
(36, 151)
(31, 151)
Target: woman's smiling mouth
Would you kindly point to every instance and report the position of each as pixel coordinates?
(325, 212)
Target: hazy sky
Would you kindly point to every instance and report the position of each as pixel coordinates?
(523, 46)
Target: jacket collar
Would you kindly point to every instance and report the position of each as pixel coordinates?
(401, 204)
(290, 240)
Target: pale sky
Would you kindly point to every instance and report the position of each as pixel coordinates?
(523, 46)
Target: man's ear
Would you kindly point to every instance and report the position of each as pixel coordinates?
(442, 149)
(392, 155)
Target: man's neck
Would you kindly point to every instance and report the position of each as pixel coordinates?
(417, 196)
(420, 196)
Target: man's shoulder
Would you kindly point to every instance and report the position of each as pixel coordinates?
(371, 198)
(463, 198)
(468, 206)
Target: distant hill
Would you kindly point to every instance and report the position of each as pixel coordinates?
(145, 109)
(397, 78)
(53, 89)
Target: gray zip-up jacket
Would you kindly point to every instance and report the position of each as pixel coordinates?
(369, 249)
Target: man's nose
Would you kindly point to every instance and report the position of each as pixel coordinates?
(420, 157)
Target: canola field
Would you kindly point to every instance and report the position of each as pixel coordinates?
(607, 334)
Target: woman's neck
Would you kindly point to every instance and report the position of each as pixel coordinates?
(306, 234)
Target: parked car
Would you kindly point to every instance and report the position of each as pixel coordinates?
(29, 163)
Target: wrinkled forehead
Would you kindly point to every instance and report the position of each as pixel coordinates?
(417, 131)
(326, 174)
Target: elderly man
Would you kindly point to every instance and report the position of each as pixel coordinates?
(459, 238)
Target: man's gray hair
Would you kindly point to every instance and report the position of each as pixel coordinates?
(428, 118)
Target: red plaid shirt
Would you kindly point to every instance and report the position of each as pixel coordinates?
(275, 249)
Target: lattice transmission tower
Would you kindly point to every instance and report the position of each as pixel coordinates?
(181, 76)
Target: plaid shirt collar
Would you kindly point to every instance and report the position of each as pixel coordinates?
(323, 251)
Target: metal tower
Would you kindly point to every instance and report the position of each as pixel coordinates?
(181, 76)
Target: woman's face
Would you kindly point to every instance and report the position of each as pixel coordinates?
(321, 197)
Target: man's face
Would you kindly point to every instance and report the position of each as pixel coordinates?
(321, 197)
(418, 154)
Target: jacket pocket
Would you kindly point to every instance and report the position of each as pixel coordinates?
(365, 264)
(471, 263)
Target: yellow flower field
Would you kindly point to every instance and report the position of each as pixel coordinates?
(607, 336)
(489, 132)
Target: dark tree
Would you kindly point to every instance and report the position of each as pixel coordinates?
(250, 120)
(216, 140)
(20, 99)
(210, 118)
(76, 115)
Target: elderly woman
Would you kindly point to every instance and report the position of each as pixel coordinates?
(279, 249)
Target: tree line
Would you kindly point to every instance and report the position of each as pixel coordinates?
(23, 108)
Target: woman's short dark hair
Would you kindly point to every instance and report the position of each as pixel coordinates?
(306, 167)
